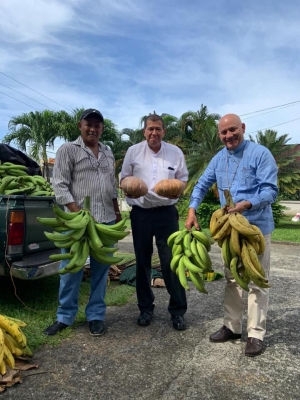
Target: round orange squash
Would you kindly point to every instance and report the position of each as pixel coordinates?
(169, 188)
(134, 187)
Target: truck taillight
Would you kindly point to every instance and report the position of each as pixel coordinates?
(15, 232)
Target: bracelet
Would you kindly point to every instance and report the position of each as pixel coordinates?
(117, 212)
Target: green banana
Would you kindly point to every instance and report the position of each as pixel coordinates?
(64, 215)
(75, 247)
(93, 235)
(119, 226)
(195, 257)
(8, 165)
(234, 270)
(85, 251)
(187, 245)
(64, 244)
(110, 233)
(177, 249)
(181, 236)
(175, 262)
(198, 282)
(57, 237)
(61, 256)
(72, 261)
(5, 182)
(226, 252)
(203, 254)
(102, 250)
(172, 237)
(190, 266)
(202, 238)
(80, 221)
(77, 235)
(50, 221)
(180, 271)
(104, 259)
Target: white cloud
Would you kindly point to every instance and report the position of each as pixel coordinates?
(129, 58)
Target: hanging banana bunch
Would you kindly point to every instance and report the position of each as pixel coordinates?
(190, 256)
(83, 236)
(241, 243)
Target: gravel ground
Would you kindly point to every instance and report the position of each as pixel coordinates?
(157, 362)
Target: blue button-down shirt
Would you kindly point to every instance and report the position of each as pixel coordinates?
(250, 173)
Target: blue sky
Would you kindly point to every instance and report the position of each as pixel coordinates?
(132, 57)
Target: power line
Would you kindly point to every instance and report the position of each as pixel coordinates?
(25, 96)
(254, 116)
(20, 101)
(36, 91)
(270, 108)
(273, 126)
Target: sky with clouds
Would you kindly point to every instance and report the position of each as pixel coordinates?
(132, 57)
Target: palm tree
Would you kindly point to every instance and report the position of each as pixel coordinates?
(34, 133)
(286, 159)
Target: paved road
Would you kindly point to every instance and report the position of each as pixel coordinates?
(157, 362)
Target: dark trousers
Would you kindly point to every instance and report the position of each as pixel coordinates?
(157, 222)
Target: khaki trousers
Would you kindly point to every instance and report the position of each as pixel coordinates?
(258, 299)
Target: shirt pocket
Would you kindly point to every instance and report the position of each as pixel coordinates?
(167, 173)
(222, 180)
(248, 178)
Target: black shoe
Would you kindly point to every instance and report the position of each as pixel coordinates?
(144, 318)
(224, 334)
(55, 328)
(254, 347)
(178, 322)
(97, 328)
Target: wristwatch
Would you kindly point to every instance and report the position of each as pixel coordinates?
(117, 212)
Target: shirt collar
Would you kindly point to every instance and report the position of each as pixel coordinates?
(240, 148)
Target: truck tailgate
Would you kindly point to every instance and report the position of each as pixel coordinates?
(35, 240)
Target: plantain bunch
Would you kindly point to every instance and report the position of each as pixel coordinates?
(83, 236)
(190, 256)
(241, 243)
(13, 343)
(14, 180)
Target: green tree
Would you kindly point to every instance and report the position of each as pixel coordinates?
(286, 159)
(34, 133)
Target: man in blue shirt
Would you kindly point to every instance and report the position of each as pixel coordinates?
(249, 171)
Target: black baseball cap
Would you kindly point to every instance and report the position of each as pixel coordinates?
(93, 113)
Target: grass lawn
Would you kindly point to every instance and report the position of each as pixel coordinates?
(36, 302)
(287, 231)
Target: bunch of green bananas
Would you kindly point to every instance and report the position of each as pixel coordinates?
(241, 243)
(190, 255)
(13, 342)
(83, 236)
(14, 180)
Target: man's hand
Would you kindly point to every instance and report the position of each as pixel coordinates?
(240, 207)
(191, 219)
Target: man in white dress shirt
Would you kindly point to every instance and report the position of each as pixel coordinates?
(154, 216)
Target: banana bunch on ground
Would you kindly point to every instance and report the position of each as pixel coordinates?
(190, 255)
(13, 342)
(83, 236)
(241, 243)
(14, 180)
